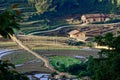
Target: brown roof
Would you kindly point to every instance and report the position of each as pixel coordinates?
(73, 32)
(95, 15)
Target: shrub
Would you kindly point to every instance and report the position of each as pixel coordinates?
(7, 72)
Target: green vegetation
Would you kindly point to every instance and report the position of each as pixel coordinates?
(83, 69)
(7, 44)
(62, 62)
(40, 43)
(75, 42)
(78, 69)
(52, 13)
(19, 57)
(7, 72)
(41, 25)
(107, 66)
(8, 23)
(73, 66)
(77, 6)
(43, 6)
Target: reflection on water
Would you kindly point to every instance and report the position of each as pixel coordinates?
(39, 77)
(42, 76)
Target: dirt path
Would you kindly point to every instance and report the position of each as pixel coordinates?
(38, 66)
(72, 53)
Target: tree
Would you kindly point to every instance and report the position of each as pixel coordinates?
(7, 72)
(107, 67)
(8, 22)
(99, 40)
(44, 6)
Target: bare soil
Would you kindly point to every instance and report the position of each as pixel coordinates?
(38, 66)
(45, 42)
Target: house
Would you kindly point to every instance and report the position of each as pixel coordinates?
(73, 33)
(90, 18)
(86, 34)
(79, 36)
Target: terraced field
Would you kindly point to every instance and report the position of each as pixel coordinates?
(30, 63)
(19, 57)
(39, 42)
(44, 45)
(46, 42)
(58, 61)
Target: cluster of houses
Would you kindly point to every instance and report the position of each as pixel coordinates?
(87, 33)
(91, 18)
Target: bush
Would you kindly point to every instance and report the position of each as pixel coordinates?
(62, 68)
(7, 72)
(75, 43)
(54, 74)
(77, 68)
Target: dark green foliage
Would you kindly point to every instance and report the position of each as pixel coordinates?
(107, 67)
(62, 68)
(104, 40)
(51, 8)
(99, 40)
(7, 72)
(77, 68)
(54, 74)
(116, 43)
(75, 43)
(90, 66)
(70, 7)
(8, 21)
(44, 6)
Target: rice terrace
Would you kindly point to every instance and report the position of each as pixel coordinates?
(60, 39)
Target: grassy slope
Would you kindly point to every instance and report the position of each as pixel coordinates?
(19, 57)
(39, 42)
(35, 43)
(46, 42)
(67, 61)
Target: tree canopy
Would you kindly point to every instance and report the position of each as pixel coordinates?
(78, 6)
(7, 72)
(44, 6)
(8, 21)
(107, 66)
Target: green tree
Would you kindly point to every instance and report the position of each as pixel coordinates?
(99, 40)
(44, 6)
(7, 72)
(8, 22)
(107, 67)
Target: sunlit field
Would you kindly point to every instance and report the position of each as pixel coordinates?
(59, 61)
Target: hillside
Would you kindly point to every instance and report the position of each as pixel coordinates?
(71, 7)
(64, 7)
(39, 42)
(23, 5)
